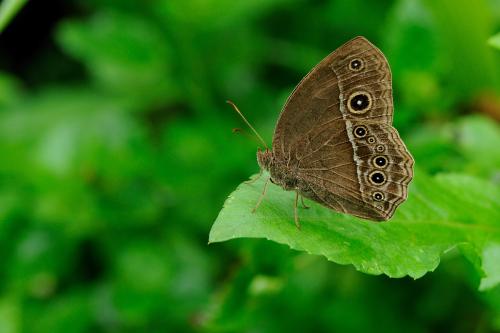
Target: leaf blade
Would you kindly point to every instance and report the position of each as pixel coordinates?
(9, 9)
(424, 227)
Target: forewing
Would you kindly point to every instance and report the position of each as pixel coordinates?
(322, 95)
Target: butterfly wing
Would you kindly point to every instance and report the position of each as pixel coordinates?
(348, 91)
(383, 170)
(324, 92)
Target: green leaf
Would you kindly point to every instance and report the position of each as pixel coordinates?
(495, 41)
(441, 213)
(491, 266)
(9, 9)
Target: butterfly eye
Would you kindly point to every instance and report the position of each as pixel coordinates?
(378, 196)
(380, 161)
(359, 102)
(360, 131)
(377, 178)
(371, 140)
(356, 65)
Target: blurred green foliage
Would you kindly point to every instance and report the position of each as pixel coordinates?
(117, 155)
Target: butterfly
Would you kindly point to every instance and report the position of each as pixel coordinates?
(334, 142)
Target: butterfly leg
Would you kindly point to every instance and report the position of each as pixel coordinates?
(255, 179)
(297, 223)
(261, 196)
(303, 204)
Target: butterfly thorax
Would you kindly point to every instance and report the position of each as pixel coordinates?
(280, 173)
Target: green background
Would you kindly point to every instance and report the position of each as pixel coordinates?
(116, 155)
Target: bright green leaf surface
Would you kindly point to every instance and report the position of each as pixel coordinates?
(491, 266)
(495, 41)
(441, 213)
(8, 9)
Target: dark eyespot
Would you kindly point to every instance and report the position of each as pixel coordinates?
(378, 196)
(380, 161)
(360, 131)
(356, 65)
(377, 178)
(380, 148)
(371, 140)
(359, 102)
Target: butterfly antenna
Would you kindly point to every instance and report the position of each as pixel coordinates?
(246, 121)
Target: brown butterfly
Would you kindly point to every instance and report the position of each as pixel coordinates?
(334, 142)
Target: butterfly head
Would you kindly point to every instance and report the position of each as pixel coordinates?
(265, 159)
